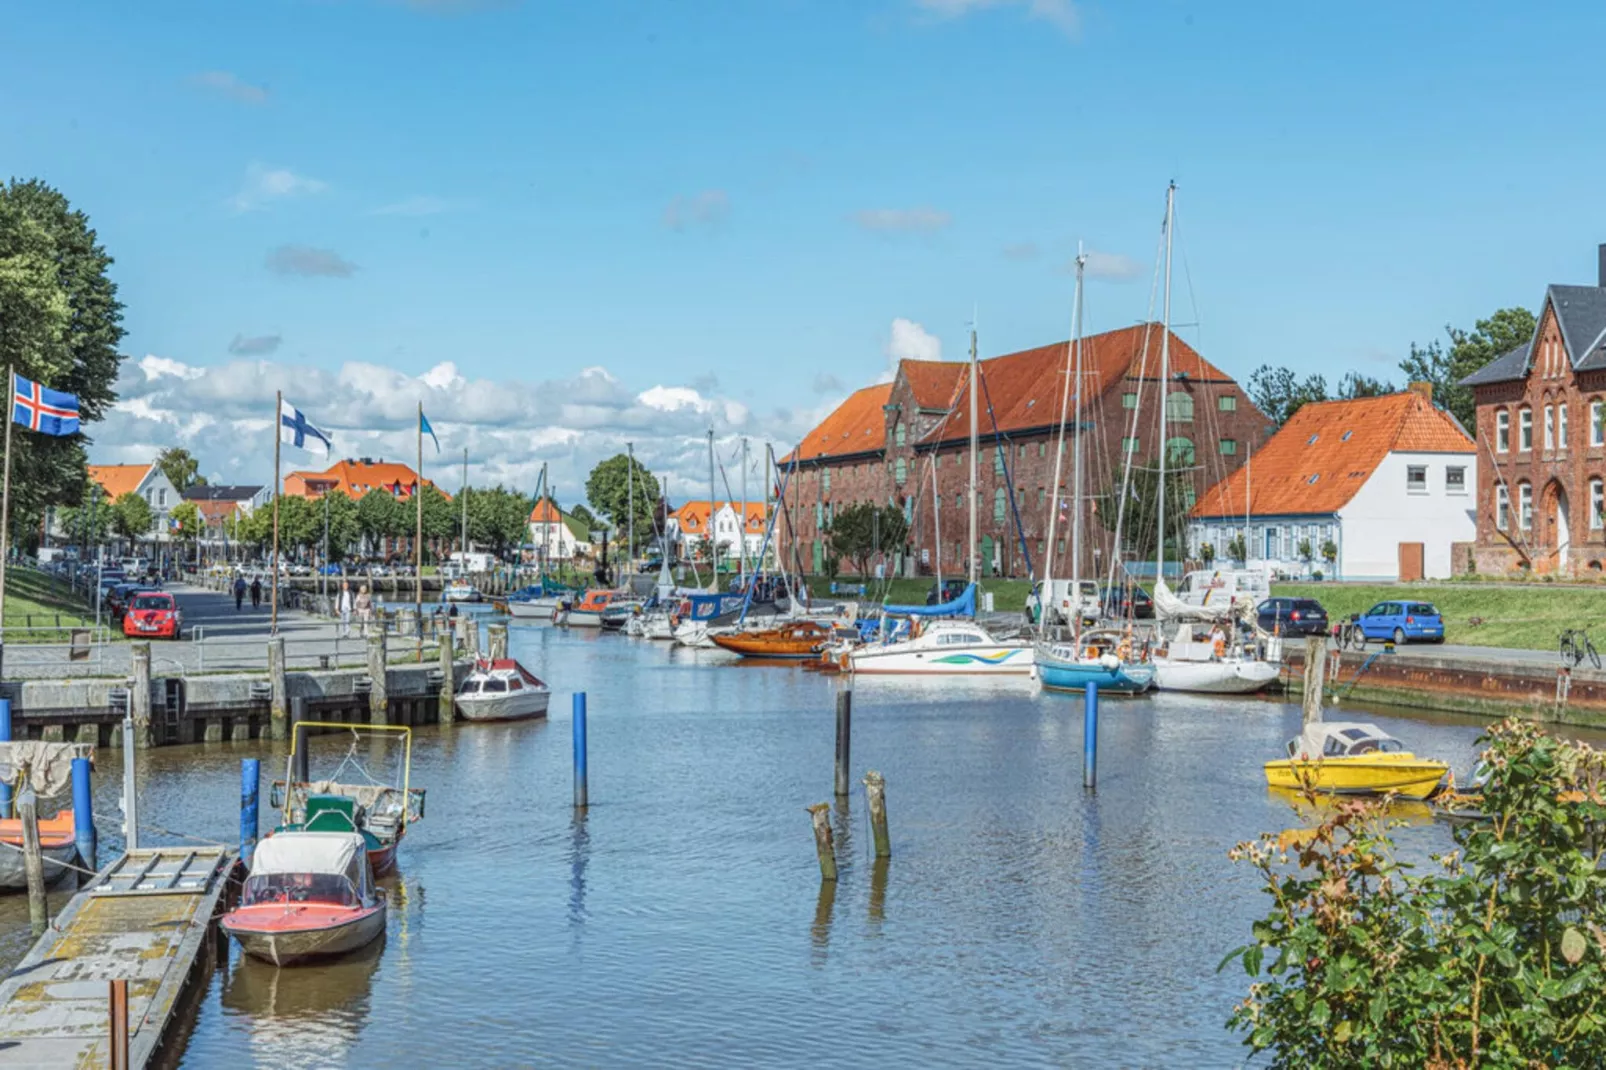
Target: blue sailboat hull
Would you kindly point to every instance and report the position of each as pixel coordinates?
(1124, 679)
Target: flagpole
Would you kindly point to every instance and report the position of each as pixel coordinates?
(5, 502)
(418, 541)
(278, 418)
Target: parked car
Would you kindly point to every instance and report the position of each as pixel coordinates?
(1059, 599)
(117, 598)
(1401, 622)
(1127, 602)
(1292, 616)
(331, 569)
(153, 614)
(951, 589)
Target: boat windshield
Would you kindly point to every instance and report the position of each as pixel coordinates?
(299, 888)
(494, 683)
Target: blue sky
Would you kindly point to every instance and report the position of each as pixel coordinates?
(732, 202)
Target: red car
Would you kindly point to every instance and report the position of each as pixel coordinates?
(153, 614)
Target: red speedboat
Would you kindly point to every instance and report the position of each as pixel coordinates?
(310, 895)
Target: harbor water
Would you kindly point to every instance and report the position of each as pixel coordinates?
(681, 919)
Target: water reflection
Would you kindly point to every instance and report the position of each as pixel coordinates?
(878, 892)
(579, 855)
(820, 931)
(302, 1015)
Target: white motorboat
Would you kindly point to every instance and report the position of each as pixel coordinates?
(460, 591)
(945, 648)
(658, 625)
(533, 608)
(502, 690)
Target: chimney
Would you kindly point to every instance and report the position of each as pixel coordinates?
(1601, 271)
(1425, 389)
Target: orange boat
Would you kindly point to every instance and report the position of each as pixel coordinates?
(797, 639)
(56, 844)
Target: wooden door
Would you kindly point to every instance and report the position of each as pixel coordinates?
(1410, 562)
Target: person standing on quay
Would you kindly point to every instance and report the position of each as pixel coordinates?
(344, 606)
(239, 592)
(256, 592)
(364, 605)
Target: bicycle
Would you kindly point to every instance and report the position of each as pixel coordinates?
(1575, 647)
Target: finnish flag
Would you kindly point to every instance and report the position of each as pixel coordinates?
(294, 429)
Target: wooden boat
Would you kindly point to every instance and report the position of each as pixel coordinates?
(587, 612)
(796, 639)
(502, 690)
(56, 845)
(310, 895)
(377, 810)
(1354, 758)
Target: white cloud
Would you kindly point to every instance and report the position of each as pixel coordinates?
(1060, 13)
(707, 208)
(1025, 250)
(907, 340)
(155, 367)
(672, 398)
(264, 185)
(902, 220)
(230, 85)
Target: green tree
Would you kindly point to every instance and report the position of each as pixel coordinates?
(859, 532)
(442, 522)
(1237, 550)
(1207, 553)
(181, 469)
(584, 515)
(90, 523)
(185, 519)
(1142, 517)
(1329, 551)
(380, 516)
(300, 524)
(1356, 385)
(131, 516)
(1279, 393)
(345, 529)
(498, 518)
(608, 489)
(1469, 350)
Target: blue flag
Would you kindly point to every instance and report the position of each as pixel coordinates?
(425, 429)
(39, 408)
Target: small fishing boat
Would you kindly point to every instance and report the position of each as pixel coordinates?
(618, 614)
(944, 648)
(56, 846)
(461, 591)
(502, 690)
(310, 895)
(1104, 657)
(587, 612)
(378, 811)
(795, 639)
(1355, 758)
(538, 601)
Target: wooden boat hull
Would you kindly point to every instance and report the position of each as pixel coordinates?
(289, 934)
(789, 642)
(1402, 774)
(57, 847)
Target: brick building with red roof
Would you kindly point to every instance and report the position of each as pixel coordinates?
(906, 443)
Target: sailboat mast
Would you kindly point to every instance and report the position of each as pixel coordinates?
(713, 545)
(1076, 463)
(1059, 454)
(1165, 375)
(971, 547)
(1249, 475)
(936, 526)
(741, 521)
(546, 528)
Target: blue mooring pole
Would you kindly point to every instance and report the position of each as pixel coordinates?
(580, 800)
(250, 789)
(1090, 737)
(83, 814)
(5, 737)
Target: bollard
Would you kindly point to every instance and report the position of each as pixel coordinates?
(471, 637)
(844, 737)
(119, 1026)
(33, 860)
(83, 814)
(139, 693)
(448, 684)
(1090, 737)
(824, 842)
(378, 689)
(875, 793)
(1315, 667)
(250, 787)
(278, 708)
(581, 800)
(130, 796)
(299, 742)
(5, 737)
(496, 641)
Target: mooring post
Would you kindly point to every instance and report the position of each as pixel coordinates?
(139, 695)
(5, 737)
(1090, 736)
(130, 795)
(119, 1025)
(1315, 669)
(250, 786)
(824, 842)
(83, 814)
(448, 684)
(496, 641)
(278, 704)
(378, 700)
(471, 637)
(844, 737)
(581, 799)
(875, 793)
(299, 742)
(33, 860)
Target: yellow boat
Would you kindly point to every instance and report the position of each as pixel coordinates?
(1353, 758)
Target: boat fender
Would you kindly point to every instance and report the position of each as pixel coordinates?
(1109, 661)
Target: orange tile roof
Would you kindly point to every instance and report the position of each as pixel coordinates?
(693, 516)
(353, 479)
(215, 511)
(856, 426)
(1326, 452)
(118, 479)
(545, 512)
(933, 383)
(1024, 387)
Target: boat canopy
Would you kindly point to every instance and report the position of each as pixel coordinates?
(1342, 739)
(342, 853)
(963, 606)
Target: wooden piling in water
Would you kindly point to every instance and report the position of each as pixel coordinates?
(139, 694)
(33, 859)
(378, 698)
(824, 841)
(875, 793)
(279, 703)
(844, 737)
(496, 641)
(446, 714)
(1315, 671)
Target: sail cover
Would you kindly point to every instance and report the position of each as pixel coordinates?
(963, 606)
(1167, 606)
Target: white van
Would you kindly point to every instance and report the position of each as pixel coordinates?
(1222, 586)
(1060, 608)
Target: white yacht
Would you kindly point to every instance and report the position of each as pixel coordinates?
(945, 648)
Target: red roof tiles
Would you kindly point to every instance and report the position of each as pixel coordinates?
(856, 426)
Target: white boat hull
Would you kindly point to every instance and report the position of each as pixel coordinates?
(289, 948)
(583, 618)
(518, 705)
(533, 609)
(992, 659)
(1213, 677)
(698, 635)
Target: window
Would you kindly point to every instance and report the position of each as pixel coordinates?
(1229, 446)
(1179, 451)
(1042, 496)
(1021, 451)
(1525, 506)
(1129, 445)
(1227, 403)
(1000, 505)
(1502, 430)
(161, 496)
(898, 434)
(1561, 427)
(1597, 503)
(819, 515)
(1525, 430)
(1179, 406)
(959, 500)
(1455, 479)
(1345, 436)
(150, 495)
(900, 471)
(1550, 428)
(998, 460)
(1129, 400)
(1042, 450)
(1416, 479)
(1597, 430)
(825, 480)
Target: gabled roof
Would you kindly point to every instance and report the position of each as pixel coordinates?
(119, 479)
(1327, 451)
(1513, 364)
(354, 479)
(215, 510)
(933, 383)
(693, 516)
(1581, 314)
(219, 492)
(546, 512)
(856, 426)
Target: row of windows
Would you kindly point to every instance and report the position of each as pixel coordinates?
(1553, 424)
(1179, 403)
(1271, 542)
(1525, 505)
(1416, 479)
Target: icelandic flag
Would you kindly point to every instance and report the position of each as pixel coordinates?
(39, 408)
(294, 429)
(425, 429)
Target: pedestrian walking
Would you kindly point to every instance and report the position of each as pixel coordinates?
(344, 606)
(256, 592)
(364, 606)
(239, 592)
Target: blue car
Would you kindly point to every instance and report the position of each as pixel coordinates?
(1402, 622)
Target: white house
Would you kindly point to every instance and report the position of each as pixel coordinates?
(557, 536)
(1370, 489)
(688, 528)
(146, 480)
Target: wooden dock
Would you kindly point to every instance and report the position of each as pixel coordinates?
(147, 919)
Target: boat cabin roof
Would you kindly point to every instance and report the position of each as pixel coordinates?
(1342, 739)
(341, 853)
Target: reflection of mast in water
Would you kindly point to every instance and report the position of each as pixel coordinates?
(579, 855)
(304, 1015)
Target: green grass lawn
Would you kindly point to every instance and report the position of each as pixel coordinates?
(37, 601)
(1527, 617)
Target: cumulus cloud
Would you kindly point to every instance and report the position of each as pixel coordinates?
(307, 261)
(901, 220)
(264, 185)
(416, 206)
(254, 346)
(223, 414)
(230, 85)
(907, 340)
(707, 208)
(1058, 13)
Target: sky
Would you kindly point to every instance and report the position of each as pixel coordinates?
(566, 226)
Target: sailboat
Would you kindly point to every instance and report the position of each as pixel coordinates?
(1218, 663)
(1102, 658)
(949, 647)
